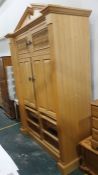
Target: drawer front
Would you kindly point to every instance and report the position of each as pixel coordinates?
(95, 134)
(32, 114)
(94, 144)
(94, 111)
(95, 123)
(50, 133)
(33, 121)
(49, 125)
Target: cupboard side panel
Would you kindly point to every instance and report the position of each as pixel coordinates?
(72, 55)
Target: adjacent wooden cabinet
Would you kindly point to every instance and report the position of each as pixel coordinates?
(6, 104)
(51, 59)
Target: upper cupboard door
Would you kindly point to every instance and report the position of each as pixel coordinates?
(26, 82)
(43, 67)
(25, 70)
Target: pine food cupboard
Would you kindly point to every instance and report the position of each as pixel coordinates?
(51, 59)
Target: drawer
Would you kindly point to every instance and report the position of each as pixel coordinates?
(32, 116)
(50, 141)
(94, 144)
(49, 125)
(33, 128)
(95, 123)
(94, 110)
(33, 121)
(95, 134)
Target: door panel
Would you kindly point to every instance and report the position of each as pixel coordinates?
(40, 85)
(26, 72)
(44, 84)
(26, 81)
(49, 79)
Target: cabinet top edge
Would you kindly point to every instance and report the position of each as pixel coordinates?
(48, 10)
(65, 10)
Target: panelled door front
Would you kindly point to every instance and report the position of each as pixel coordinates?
(25, 69)
(43, 67)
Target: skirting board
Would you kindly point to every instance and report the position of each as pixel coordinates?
(68, 168)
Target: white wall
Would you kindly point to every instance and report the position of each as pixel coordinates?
(11, 12)
(4, 47)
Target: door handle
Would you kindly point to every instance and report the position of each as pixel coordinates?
(28, 43)
(31, 79)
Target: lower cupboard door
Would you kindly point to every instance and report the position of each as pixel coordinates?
(44, 85)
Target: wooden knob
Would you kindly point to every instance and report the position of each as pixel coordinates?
(28, 43)
(30, 78)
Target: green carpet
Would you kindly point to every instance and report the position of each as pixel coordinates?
(30, 158)
(4, 120)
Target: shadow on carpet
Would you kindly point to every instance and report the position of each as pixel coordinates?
(4, 120)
